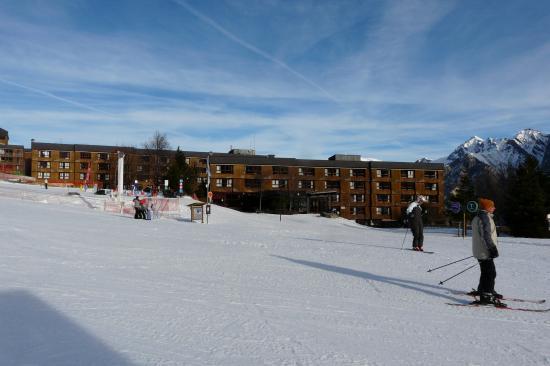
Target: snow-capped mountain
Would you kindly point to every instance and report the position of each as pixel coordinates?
(496, 155)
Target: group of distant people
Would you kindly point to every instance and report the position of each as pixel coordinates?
(142, 209)
(484, 245)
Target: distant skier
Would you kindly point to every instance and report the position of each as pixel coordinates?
(46, 184)
(137, 208)
(143, 208)
(414, 215)
(484, 248)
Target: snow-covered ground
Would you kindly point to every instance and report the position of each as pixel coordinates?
(79, 286)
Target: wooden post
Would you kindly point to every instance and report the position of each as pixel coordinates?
(464, 230)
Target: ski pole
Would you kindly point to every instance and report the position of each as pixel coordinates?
(403, 244)
(472, 266)
(448, 264)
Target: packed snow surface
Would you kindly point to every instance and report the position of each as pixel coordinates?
(80, 286)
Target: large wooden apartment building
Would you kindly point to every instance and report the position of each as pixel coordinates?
(358, 190)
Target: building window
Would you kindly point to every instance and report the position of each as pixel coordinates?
(306, 171)
(104, 177)
(64, 155)
(82, 176)
(407, 174)
(85, 155)
(44, 164)
(431, 186)
(332, 172)
(187, 161)
(407, 197)
(358, 198)
(83, 165)
(103, 166)
(64, 165)
(357, 210)
(64, 176)
(252, 183)
(383, 198)
(278, 183)
(45, 153)
(357, 172)
(332, 184)
(382, 210)
(224, 169)
(280, 170)
(430, 174)
(139, 168)
(356, 185)
(164, 160)
(253, 169)
(145, 158)
(44, 175)
(305, 184)
(382, 173)
(383, 185)
(407, 186)
(224, 182)
(103, 156)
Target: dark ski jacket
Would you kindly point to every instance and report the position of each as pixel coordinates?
(415, 217)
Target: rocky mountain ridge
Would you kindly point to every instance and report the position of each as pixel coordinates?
(495, 155)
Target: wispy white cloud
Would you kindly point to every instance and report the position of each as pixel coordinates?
(252, 48)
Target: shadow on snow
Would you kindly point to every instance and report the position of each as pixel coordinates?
(428, 289)
(34, 333)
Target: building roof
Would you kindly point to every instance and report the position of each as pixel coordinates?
(20, 147)
(3, 133)
(231, 159)
(398, 165)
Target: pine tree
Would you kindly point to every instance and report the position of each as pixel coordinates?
(527, 201)
(179, 169)
(463, 194)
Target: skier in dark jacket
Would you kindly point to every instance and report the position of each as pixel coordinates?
(484, 249)
(414, 213)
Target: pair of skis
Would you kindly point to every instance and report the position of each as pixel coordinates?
(507, 299)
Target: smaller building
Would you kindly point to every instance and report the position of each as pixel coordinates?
(12, 159)
(4, 137)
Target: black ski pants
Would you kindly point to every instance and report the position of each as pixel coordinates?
(487, 277)
(418, 234)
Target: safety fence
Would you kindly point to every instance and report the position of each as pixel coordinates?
(160, 207)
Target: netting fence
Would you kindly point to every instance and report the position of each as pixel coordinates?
(161, 207)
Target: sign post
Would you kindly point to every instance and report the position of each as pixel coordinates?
(208, 208)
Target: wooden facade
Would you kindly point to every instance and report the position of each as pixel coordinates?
(355, 189)
(12, 159)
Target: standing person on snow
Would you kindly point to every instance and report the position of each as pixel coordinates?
(484, 249)
(137, 207)
(46, 184)
(414, 214)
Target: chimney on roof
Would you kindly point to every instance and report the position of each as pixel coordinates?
(345, 157)
(242, 151)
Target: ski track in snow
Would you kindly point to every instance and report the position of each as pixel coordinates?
(82, 286)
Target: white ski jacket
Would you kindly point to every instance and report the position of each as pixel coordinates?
(484, 235)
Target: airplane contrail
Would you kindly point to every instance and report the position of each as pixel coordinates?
(48, 94)
(250, 47)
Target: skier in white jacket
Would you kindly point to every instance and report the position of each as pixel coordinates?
(484, 249)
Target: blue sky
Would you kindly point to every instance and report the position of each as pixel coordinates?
(393, 80)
